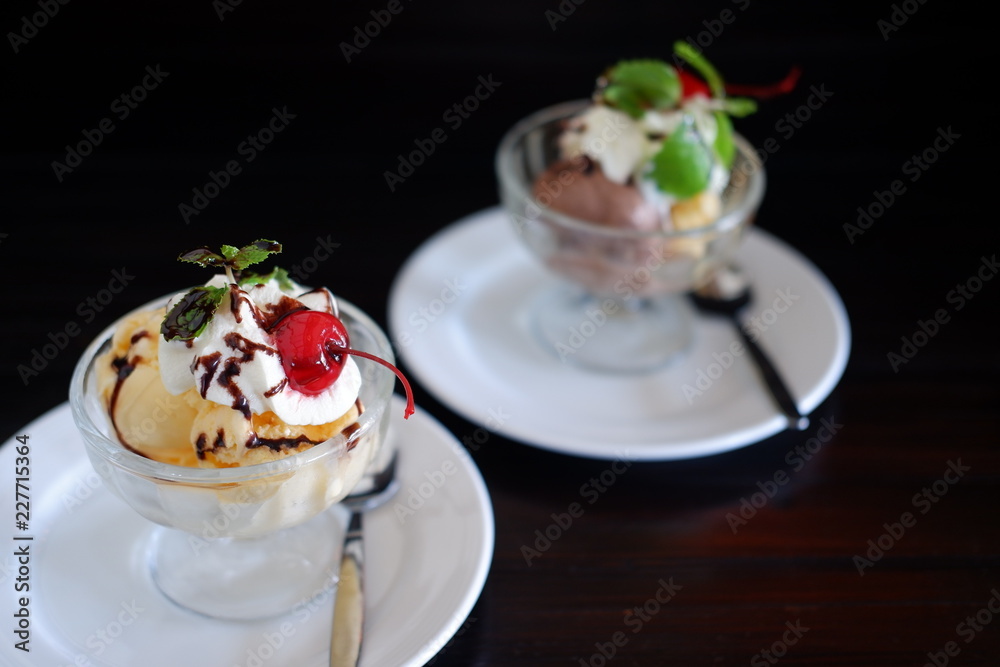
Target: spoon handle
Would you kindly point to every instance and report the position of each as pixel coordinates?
(774, 382)
(349, 607)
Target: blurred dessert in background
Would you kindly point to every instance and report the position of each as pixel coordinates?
(652, 152)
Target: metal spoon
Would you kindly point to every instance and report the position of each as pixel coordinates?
(349, 608)
(727, 293)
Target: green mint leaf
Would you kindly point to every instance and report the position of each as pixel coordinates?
(696, 60)
(637, 85)
(724, 146)
(192, 313)
(625, 99)
(256, 252)
(740, 106)
(684, 164)
(229, 251)
(202, 257)
(277, 273)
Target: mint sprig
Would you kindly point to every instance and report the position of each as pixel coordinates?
(724, 145)
(231, 257)
(708, 72)
(188, 318)
(277, 274)
(637, 85)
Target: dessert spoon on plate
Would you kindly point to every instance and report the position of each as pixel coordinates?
(728, 292)
(349, 607)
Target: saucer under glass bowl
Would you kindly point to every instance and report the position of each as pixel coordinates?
(617, 302)
(244, 542)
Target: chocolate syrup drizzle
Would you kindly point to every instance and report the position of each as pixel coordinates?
(202, 446)
(245, 351)
(123, 368)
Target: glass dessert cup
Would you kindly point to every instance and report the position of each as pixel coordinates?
(617, 303)
(244, 542)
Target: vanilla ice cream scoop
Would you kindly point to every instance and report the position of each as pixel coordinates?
(147, 418)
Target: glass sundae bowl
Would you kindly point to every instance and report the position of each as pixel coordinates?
(617, 299)
(250, 541)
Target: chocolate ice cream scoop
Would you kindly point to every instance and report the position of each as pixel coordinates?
(578, 188)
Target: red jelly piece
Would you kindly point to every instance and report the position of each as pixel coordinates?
(692, 85)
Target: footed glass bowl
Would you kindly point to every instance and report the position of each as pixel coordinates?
(618, 305)
(251, 541)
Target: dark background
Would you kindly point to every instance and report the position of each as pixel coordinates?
(891, 92)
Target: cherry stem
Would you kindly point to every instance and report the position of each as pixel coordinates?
(336, 349)
(781, 87)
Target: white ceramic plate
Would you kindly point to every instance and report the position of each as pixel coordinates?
(91, 601)
(457, 318)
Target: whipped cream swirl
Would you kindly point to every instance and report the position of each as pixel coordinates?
(235, 361)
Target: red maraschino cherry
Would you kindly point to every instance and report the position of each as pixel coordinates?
(312, 345)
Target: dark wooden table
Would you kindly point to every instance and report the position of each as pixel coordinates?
(880, 548)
